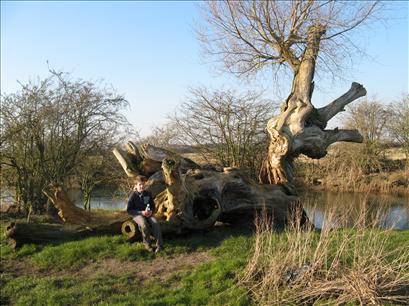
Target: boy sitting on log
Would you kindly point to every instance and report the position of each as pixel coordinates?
(141, 206)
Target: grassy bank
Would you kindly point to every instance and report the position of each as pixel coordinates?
(351, 167)
(194, 270)
(219, 267)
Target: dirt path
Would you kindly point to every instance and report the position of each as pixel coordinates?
(158, 268)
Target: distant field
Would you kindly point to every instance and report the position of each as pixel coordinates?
(395, 154)
(199, 158)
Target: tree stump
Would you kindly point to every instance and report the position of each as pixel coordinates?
(131, 231)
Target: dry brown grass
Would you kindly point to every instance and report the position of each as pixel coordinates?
(334, 266)
(356, 168)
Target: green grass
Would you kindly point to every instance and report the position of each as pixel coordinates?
(196, 288)
(212, 283)
(208, 283)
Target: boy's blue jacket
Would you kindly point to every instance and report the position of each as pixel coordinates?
(137, 202)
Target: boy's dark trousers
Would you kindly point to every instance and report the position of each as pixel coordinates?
(149, 226)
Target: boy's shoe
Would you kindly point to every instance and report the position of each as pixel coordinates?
(148, 247)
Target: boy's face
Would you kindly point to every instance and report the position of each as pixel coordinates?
(139, 186)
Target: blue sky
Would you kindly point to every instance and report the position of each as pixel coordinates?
(148, 52)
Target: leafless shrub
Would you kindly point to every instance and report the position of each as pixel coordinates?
(369, 117)
(165, 136)
(354, 168)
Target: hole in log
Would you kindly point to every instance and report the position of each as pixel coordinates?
(128, 229)
(198, 176)
(170, 162)
(203, 207)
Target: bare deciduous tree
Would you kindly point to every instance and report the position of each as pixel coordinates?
(165, 136)
(247, 36)
(225, 126)
(369, 117)
(398, 122)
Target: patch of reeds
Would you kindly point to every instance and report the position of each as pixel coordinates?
(335, 265)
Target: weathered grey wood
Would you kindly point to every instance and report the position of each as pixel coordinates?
(146, 159)
(300, 127)
(20, 233)
(327, 112)
(125, 162)
(197, 198)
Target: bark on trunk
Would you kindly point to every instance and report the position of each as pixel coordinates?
(74, 215)
(300, 128)
(20, 233)
(188, 197)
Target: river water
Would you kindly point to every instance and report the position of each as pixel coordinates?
(101, 199)
(393, 211)
(388, 211)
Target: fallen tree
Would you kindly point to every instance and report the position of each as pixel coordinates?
(20, 233)
(187, 196)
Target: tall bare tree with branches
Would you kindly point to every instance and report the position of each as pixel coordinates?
(248, 36)
(225, 126)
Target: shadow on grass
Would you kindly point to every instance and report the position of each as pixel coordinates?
(72, 254)
(195, 239)
(207, 239)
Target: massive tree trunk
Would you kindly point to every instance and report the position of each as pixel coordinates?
(189, 197)
(300, 128)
